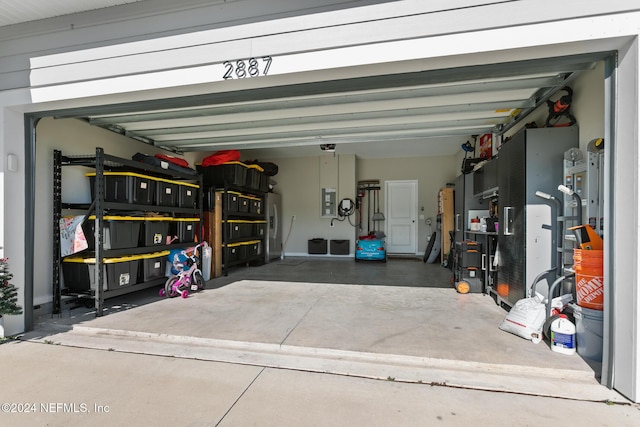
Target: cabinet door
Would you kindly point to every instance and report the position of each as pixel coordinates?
(478, 181)
(511, 218)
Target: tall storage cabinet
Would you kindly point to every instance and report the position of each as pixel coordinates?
(532, 160)
(466, 201)
(127, 246)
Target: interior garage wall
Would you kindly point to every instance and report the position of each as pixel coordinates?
(75, 137)
(432, 174)
(298, 181)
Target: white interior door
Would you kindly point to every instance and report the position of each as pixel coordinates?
(402, 207)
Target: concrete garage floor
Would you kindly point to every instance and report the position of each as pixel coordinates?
(404, 321)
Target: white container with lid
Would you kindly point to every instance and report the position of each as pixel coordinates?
(563, 335)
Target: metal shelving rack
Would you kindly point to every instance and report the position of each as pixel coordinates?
(226, 216)
(101, 162)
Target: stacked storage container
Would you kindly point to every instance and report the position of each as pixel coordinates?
(244, 227)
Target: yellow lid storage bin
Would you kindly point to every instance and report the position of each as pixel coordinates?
(243, 251)
(166, 193)
(154, 266)
(126, 187)
(188, 195)
(238, 229)
(185, 228)
(118, 272)
(229, 174)
(154, 231)
(255, 176)
(119, 232)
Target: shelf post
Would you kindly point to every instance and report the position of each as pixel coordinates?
(57, 215)
(98, 231)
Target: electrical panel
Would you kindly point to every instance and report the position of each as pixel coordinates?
(328, 202)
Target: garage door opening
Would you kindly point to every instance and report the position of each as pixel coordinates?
(437, 111)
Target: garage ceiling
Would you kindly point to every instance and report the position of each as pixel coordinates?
(373, 116)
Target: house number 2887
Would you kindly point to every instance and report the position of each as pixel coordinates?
(242, 68)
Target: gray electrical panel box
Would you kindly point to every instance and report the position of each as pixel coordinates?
(328, 202)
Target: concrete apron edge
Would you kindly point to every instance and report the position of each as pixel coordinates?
(560, 383)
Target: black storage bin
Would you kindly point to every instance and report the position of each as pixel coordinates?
(154, 232)
(469, 254)
(185, 229)
(234, 230)
(230, 173)
(119, 273)
(78, 276)
(253, 249)
(259, 228)
(339, 247)
(317, 246)
(118, 232)
(231, 202)
(232, 253)
(239, 229)
(126, 187)
(188, 196)
(244, 204)
(153, 266)
(254, 177)
(255, 206)
(166, 193)
(264, 183)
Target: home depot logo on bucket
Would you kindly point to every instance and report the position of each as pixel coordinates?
(590, 291)
(588, 265)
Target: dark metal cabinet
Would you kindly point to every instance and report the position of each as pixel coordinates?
(485, 179)
(531, 161)
(465, 200)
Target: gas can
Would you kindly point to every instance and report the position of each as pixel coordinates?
(563, 335)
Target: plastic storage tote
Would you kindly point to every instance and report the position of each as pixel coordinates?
(185, 229)
(188, 195)
(153, 266)
(119, 232)
(229, 174)
(154, 231)
(126, 187)
(119, 273)
(166, 193)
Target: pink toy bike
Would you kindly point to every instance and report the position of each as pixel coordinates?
(186, 276)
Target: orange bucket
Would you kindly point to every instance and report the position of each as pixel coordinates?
(588, 265)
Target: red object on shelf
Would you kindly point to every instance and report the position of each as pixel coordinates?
(173, 160)
(220, 157)
(486, 150)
